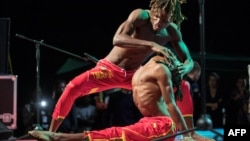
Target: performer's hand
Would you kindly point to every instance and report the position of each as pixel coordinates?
(159, 49)
(171, 59)
(181, 70)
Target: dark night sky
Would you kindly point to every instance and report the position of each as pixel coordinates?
(78, 27)
(88, 26)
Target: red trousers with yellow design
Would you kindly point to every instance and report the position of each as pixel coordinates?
(145, 129)
(186, 105)
(105, 75)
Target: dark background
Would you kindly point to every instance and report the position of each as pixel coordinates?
(88, 26)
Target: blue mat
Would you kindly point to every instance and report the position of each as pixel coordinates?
(216, 134)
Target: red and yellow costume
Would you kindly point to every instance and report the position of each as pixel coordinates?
(145, 129)
(186, 105)
(105, 75)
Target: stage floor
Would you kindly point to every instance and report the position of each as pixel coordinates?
(216, 134)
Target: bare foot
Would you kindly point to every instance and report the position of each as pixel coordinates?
(42, 135)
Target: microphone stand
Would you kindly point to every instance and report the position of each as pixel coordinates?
(52, 47)
(38, 88)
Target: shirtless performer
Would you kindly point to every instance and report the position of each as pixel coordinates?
(154, 96)
(142, 33)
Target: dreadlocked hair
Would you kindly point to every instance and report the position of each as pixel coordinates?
(173, 6)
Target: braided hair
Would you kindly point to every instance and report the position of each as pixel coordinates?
(169, 6)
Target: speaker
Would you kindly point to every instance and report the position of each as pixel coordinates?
(4, 44)
(8, 100)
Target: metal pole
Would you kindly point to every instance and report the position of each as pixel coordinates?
(202, 55)
(38, 89)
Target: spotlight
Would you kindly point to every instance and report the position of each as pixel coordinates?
(43, 103)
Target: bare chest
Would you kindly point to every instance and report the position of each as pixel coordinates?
(142, 75)
(146, 33)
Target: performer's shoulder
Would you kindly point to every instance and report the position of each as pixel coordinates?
(141, 13)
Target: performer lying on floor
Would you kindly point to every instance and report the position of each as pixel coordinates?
(154, 96)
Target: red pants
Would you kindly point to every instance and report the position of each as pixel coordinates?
(103, 76)
(186, 105)
(145, 129)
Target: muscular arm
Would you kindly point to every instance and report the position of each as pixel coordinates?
(122, 37)
(125, 35)
(181, 49)
(165, 84)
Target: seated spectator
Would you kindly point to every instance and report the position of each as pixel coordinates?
(121, 110)
(86, 113)
(214, 100)
(237, 107)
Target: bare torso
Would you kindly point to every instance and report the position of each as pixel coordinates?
(132, 58)
(146, 92)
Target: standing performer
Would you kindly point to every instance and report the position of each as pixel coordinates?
(142, 33)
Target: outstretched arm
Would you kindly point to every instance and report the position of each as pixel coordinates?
(181, 49)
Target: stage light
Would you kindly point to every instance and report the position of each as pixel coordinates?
(43, 103)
